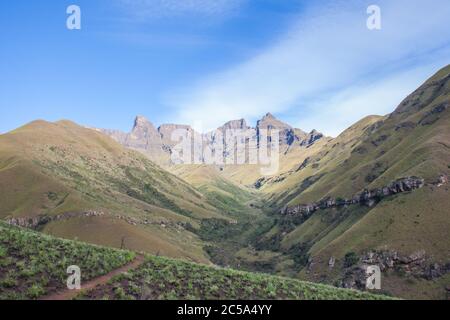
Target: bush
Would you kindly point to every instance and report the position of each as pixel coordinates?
(350, 259)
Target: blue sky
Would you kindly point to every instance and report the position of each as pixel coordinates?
(202, 62)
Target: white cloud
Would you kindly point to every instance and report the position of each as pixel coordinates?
(323, 54)
(339, 111)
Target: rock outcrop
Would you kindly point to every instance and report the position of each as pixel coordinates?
(442, 180)
(417, 265)
(157, 144)
(144, 137)
(367, 197)
(41, 220)
(311, 138)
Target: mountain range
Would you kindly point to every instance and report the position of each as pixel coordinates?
(158, 143)
(376, 194)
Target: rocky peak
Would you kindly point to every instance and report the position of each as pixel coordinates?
(268, 115)
(269, 121)
(144, 137)
(288, 135)
(235, 124)
(312, 137)
(140, 122)
(167, 129)
(157, 143)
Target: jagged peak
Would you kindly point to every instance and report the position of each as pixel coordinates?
(235, 124)
(270, 120)
(142, 122)
(141, 119)
(268, 116)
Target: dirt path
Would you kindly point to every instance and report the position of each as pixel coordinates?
(91, 284)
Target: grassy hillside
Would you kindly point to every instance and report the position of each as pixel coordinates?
(412, 141)
(53, 169)
(161, 278)
(230, 196)
(77, 183)
(312, 166)
(33, 265)
(375, 151)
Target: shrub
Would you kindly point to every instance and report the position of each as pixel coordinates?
(350, 259)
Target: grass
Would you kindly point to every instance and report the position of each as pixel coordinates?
(47, 169)
(371, 154)
(33, 264)
(165, 279)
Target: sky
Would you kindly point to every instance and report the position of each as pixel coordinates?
(313, 64)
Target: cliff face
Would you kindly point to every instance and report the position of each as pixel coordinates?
(157, 143)
(144, 136)
(417, 265)
(367, 197)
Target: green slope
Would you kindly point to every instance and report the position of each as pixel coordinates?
(82, 184)
(34, 265)
(412, 141)
(161, 278)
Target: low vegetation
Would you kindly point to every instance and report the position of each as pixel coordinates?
(33, 264)
(161, 279)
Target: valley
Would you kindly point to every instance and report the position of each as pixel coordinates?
(378, 193)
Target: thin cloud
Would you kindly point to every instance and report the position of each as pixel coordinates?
(327, 51)
(342, 109)
(148, 9)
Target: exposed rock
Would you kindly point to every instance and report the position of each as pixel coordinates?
(157, 144)
(304, 164)
(144, 136)
(270, 180)
(367, 197)
(423, 96)
(432, 116)
(240, 124)
(37, 221)
(260, 182)
(416, 265)
(286, 132)
(442, 180)
(355, 278)
(312, 137)
(405, 125)
(166, 131)
(378, 141)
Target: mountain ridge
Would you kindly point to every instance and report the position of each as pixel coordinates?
(374, 192)
(156, 143)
